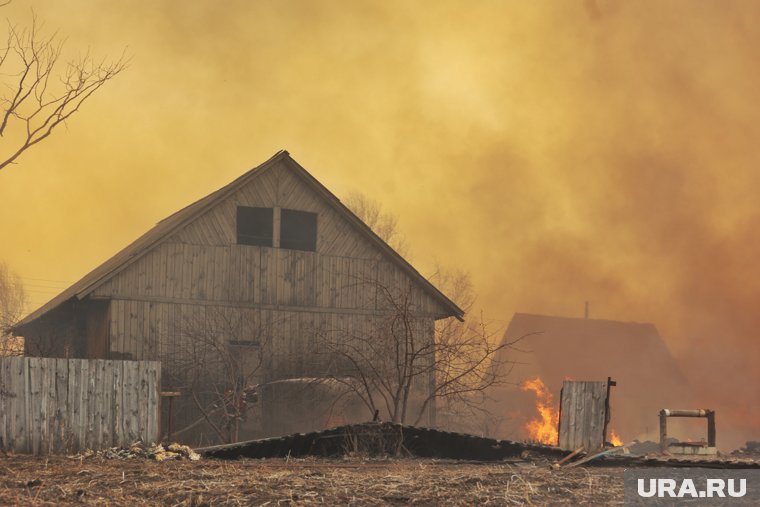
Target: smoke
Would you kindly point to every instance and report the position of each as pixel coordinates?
(560, 151)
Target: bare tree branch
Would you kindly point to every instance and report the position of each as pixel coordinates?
(215, 362)
(382, 223)
(38, 98)
(403, 361)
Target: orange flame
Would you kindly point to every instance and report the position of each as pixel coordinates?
(544, 428)
(615, 438)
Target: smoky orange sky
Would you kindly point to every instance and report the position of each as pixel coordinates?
(559, 151)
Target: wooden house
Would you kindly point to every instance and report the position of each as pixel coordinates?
(255, 271)
(557, 349)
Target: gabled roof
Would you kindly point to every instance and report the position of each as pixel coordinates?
(578, 343)
(571, 328)
(587, 349)
(182, 217)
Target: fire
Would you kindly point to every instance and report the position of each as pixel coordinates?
(543, 428)
(615, 439)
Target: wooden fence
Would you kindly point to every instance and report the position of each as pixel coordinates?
(50, 405)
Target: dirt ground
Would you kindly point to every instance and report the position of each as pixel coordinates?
(26, 480)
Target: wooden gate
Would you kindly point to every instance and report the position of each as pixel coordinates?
(584, 414)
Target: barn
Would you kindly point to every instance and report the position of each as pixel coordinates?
(232, 294)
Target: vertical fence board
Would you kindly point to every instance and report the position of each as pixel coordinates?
(48, 406)
(72, 408)
(128, 403)
(21, 385)
(4, 380)
(134, 408)
(6, 395)
(61, 444)
(146, 414)
(155, 407)
(142, 388)
(97, 418)
(118, 403)
(10, 397)
(35, 403)
(106, 413)
(85, 426)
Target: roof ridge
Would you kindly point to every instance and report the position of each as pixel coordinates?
(615, 321)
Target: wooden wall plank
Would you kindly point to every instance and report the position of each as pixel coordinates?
(34, 407)
(128, 395)
(151, 407)
(72, 408)
(133, 410)
(16, 396)
(61, 398)
(7, 399)
(51, 402)
(105, 404)
(117, 403)
(4, 419)
(90, 407)
(141, 370)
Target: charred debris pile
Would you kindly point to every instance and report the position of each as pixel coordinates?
(391, 439)
(383, 438)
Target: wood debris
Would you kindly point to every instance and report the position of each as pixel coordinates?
(156, 452)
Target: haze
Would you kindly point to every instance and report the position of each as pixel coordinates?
(561, 152)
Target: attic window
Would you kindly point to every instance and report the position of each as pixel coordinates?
(254, 226)
(298, 230)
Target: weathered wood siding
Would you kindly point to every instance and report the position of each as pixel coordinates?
(203, 262)
(50, 405)
(583, 410)
(259, 276)
(338, 286)
(148, 330)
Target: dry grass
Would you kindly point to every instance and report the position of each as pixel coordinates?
(59, 480)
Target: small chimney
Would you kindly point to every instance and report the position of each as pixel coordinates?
(586, 312)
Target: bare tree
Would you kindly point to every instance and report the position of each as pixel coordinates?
(382, 223)
(41, 92)
(12, 303)
(461, 358)
(402, 367)
(215, 362)
(465, 409)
